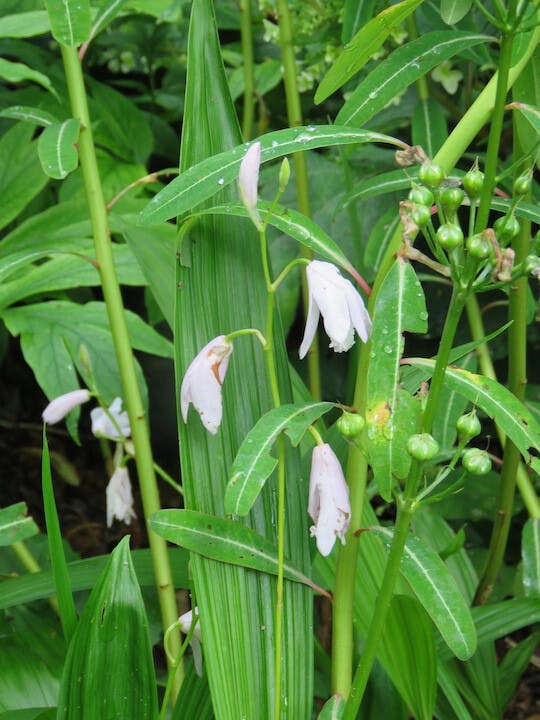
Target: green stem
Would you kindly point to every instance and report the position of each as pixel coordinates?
(124, 353)
(246, 30)
(294, 114)
(32, 565)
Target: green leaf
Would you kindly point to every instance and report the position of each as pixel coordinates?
(194, 699)
(405, 65)
(380, 239)
(356, 13)
(57, 148)
(333, 709)
(503, 618)
(498, 403)
(437, 591)
(15, 524)
(364, 44)
(452, 11)
(29, 114)
(514, 664)
(381, 184)
(109, 670)
(70, 20)
(531, 113)
(226, 541)
(25, 24)
(254, 464)
(530, 551)
(400, 307)
(106, 13)
(15, 72)
(429, 126)
(66, 606)
(203, 180)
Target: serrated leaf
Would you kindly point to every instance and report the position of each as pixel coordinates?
(109, 669)
(498, 403)
(405, 65)
(227, 541)
(203, 180)
(24, 24)
(364, 44)
(391, 412)
(15, 524)
(29, 114)
(452, 11)
(333, 709)
(530, 552)
(70, 20)
(254, 464)
(57, 148)
(15, 72)
(437, 591)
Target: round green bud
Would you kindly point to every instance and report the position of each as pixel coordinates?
(430, 174)
(421, 195)
(473, 182)
(506, 228)
(422, 446)
(284, 174)
(420, 215)
(478, 246)
(522, 184)
(350, 424)
(450, 236)
(451, 198)
(476, 462)
(468, 426)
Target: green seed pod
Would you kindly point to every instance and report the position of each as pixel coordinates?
(431, 175)
(420, 215)
(421, 195)
(473, 182)
(451, 198)
(350, 424)
(506, 228)
(468, 426)
(478, 246)
(476, 462)
(450, 236)
(422, 446)
(522, 184)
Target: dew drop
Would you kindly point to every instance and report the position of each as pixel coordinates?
(372, 354)
(423, 315)
(311, 128)
(388, 349)
(275, 143)
(221, 181)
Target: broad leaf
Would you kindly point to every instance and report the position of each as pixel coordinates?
(57, 148)
(70, 20)
(227, 541)
(15, 72)
(106, 13)
(29, 114)
(429, 126)
(530, 551)
(15, 524)
(25, 24)
(452, 11)
(254, 464)
(364, 44)
(437, 591)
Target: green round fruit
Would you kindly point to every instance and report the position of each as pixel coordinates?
(431, 175)
(422, 446)
(420, 215)
(350, 424)
(451, 198)
(468, 426)
(476, 462)
(506, 228)
(478, 246)
(421, 195)
(473, 183)
(450, 236)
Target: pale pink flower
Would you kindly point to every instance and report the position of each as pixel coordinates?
(119, 497)
(103, 426)
(58, 408)
(186, 620)
(248, 179)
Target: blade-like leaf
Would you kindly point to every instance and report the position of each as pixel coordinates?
(25, 24)
(253, 464)
(429, 126)
(224, 540)
(200, 182)
(70, 20)
(15, 524)
(15, 72)
(405, 65)
(57, 148)
(333, 709)
(29, 114)
(107, 11)
(530, 550)
(498, 403)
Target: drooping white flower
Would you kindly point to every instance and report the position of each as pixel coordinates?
(203, 380)
(328, 505)
(448, 76)
(103, 426)
(119, 497)
(248, 179)
(186, 620)
(58, 408)
(343, 310)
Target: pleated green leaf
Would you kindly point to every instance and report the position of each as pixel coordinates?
(223, 290)
(57, 148)
(70, 20)
(436, 589)
(254, 464)
(15, 524)
(530, 551)
(109, 670)
(203, 179)
(224, 540)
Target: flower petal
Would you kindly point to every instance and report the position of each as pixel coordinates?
(119, 497)
(328, 289)
(358, 313)
(58, 408)
(312, 321)
(103, 426)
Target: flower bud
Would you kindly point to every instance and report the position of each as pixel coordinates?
(284, 174)
(58, 408)
(450, 236)
(506, 228)
(420, 215)
(430, 174)
(421, 195)
(522, 184)
(422, 446)
(473, 182)
(451, 197)
(468, 426)
(478, 246)
(350, 424)
(476, 462)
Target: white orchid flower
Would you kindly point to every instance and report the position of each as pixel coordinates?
(58, 408)
(186, 620)
(103, 426)
(448, 76)
(203, 380)
(119, 497)
(328, 505)
(343, 310)
(248, 179)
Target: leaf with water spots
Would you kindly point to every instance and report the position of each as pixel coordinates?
(70, 21)
(530, 551)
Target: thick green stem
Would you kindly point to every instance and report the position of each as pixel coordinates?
(124, 353)
(246, 29)
(294, 114)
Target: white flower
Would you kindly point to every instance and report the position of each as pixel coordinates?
(58, 408)
(103, 426)
(248, 179)
(186, 621)
(119, 497)
(203, 380)
(328, 505)
(342, 308)
(447, 76)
